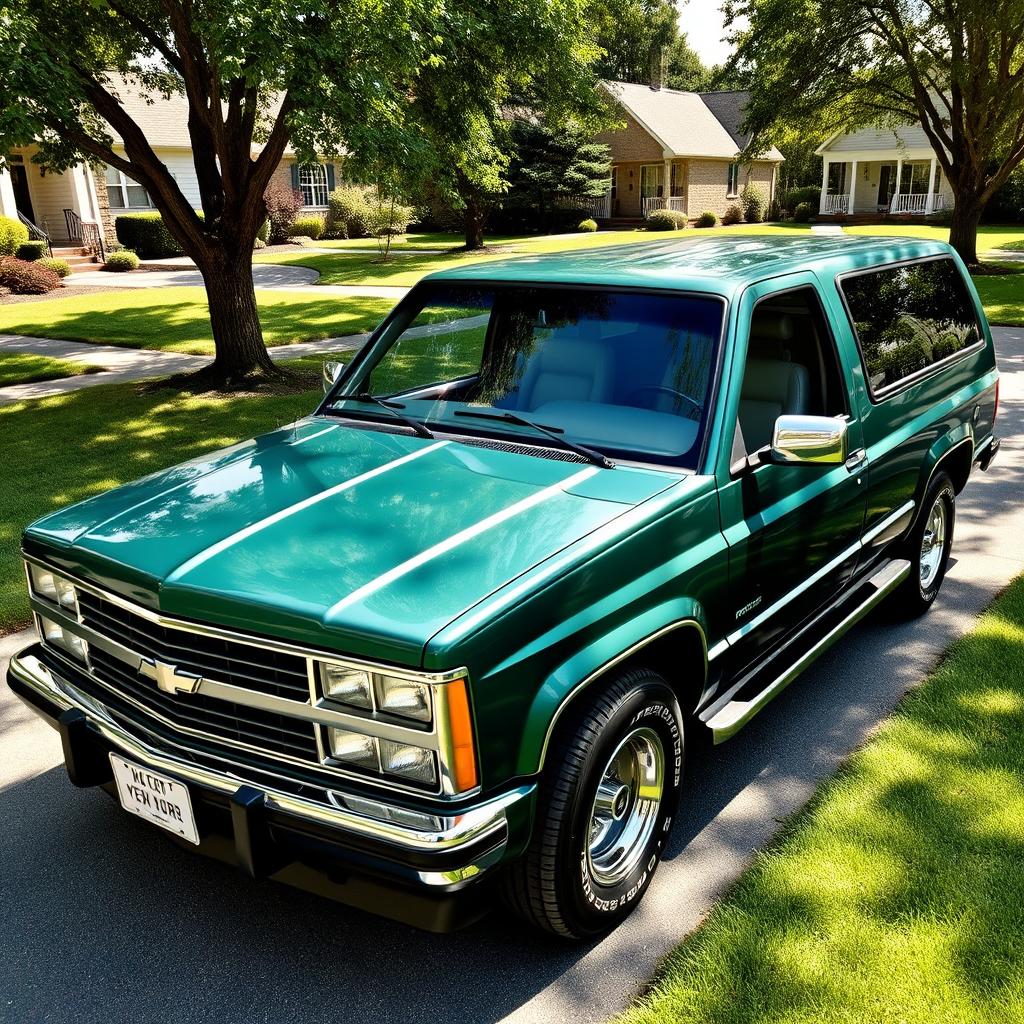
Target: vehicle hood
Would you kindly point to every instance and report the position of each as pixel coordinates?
(358, 540)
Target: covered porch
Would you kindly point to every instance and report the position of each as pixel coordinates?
(882, 185)
(637, 188)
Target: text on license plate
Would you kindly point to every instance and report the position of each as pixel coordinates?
(155, 797)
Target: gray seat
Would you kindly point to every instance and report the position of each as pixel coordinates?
(566, 369)
(771, 388)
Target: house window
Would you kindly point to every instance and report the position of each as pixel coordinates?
(650, 180)
(837, 179)
(313, 184)
(125, 194)
(676, 182)
(733, 186)
(915, 178)
(613, 183)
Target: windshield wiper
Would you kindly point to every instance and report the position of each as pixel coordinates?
(392, 407)
(555, 433)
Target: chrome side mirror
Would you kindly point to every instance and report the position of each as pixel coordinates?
(332, 371)
(809, 441)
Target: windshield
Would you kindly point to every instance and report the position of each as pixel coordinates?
(625, 373)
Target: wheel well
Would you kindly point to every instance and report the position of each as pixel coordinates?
(957, 463)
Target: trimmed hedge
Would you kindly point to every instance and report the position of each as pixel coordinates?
(121, 261)
(309, 226)
(707, 219)
(146, 234)
(754, 202)
(12, 234)
(60, 267)
(32, 250)
(733, 214)
(802, 213)
(25, 278)
(665, 220)
(588, 225)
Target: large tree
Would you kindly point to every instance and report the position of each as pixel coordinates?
(255, 76)
(955, 66)
(539, 62)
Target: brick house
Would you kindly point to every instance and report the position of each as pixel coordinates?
(679, 150)
(77, 208)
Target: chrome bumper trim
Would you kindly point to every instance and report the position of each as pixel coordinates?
(451, 832)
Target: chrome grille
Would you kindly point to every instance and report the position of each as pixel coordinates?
(227, 661)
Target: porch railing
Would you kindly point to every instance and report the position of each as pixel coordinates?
(917, 202)
(86, 232)
(36, 232)
(839, 203)
(652, 203)
(599, 207)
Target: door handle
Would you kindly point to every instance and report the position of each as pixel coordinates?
(856, 459)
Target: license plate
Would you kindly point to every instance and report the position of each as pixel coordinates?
(155, 797)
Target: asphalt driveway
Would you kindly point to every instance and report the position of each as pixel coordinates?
(104, 921)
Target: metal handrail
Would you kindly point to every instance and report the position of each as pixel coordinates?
(85, 231)
(36, 232)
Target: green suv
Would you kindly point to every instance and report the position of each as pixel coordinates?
(454, 632)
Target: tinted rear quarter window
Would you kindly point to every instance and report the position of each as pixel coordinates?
(908, 318)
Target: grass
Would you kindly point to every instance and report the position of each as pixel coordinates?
(1002, 295)
(898, 894)
(990, 236)
(177, 320)
(63, 449)
(26, 368)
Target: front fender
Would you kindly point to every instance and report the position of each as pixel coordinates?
(590, 662)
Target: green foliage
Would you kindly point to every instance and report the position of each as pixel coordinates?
(121, 261)
(665, 220)
(348, 212)
(307, 226)
(12, 234)
(60, 267)
(733, 214)
(24, 278)
(754, 201)
(707, 219)
(803, 213)
(263, 233)
(587, 225)
(632, 33)
(31, 250)
(792, 198)
(258, 243)
(146, 234)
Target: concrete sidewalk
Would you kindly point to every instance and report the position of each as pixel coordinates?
(123, 365)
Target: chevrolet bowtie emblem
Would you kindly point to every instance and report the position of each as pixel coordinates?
(169, 678)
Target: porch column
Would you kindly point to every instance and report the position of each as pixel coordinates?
(825, 164)
(929, 200)
(852, 190)
(899, 178)
(8, 206)
(666, 187)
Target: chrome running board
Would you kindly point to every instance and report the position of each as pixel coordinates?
(727, 721)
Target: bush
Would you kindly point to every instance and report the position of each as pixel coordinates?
(121, 261)
(665, 220)
(283, 203)
(348, 211)
(707, 219)
(258, 243)
(587, 225)
(12, 234)
(30, 251)
(733, 214)
(60, 267)
(309, 226)
(146, 234)
(793, 197)
(24, 278)
(802, 213)
(263, 233)
(754, 202)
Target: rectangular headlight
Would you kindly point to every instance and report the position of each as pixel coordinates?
(403, 697)
(52, 587)
(354, 748)
(55, 634)
(409, 762)
(348, 685)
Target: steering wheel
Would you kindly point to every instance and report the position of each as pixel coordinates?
(662, 389)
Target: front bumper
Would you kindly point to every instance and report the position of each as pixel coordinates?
(413, 874)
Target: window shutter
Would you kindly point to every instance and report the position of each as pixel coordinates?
(330, 177)
(295, 174)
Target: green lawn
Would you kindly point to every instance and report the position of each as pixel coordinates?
(1002, 295)
(26, 368)
(990, 236)
(60, 450)
(177, 320)
(898, 894)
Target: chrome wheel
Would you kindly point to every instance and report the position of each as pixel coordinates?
(933, 542)
(626, 806)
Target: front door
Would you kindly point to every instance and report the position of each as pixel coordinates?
(22, 198)
(793, 531)
(886, 185)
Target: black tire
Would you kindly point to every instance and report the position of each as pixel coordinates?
(554, 885)
(918, 591)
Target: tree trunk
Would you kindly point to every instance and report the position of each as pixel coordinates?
(963, 232)
(234, 317)
(474, 224)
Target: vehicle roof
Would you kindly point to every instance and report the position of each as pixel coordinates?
(723, 265)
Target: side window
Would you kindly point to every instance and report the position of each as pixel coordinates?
(792, 367)
(908, 318)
